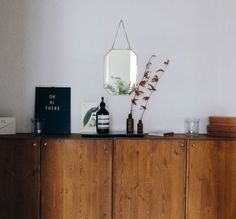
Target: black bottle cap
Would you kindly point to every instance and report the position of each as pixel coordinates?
(102, 104)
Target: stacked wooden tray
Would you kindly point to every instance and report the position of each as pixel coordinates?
(222, 126)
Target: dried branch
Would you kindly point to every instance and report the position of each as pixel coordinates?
(142, 83)
(148, 84)
(152, 87)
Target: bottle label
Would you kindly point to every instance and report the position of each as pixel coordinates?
(103, 121)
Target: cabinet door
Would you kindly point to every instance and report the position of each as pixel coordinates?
(19, 178)
(76, 178)
(212, 179)
(149, 179)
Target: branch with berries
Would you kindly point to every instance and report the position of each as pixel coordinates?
(147, 85)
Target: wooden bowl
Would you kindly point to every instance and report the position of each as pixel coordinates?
(222, 134)
(221, 128)
(222, 120)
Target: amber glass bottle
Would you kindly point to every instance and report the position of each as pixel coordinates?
(140, 127)
(130, 124)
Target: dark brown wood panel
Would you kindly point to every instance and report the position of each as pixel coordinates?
(212, 179)
(76, 179)
(149, 179)
(19, 178)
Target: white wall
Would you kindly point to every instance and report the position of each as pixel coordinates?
(63, 42)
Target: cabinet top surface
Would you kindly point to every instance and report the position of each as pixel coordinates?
(146, 137)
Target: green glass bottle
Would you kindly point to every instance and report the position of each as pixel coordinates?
(102, 119)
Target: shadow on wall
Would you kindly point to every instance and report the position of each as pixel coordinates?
(12, 57)
(17, 50)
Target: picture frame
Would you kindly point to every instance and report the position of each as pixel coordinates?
(52, 107)
(88, 116)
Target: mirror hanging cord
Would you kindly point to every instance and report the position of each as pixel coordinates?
(121, 24)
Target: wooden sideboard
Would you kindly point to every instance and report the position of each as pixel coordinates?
(19, 177)
(51, 177)
(211, 180)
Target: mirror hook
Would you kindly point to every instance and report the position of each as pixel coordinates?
(121, 23)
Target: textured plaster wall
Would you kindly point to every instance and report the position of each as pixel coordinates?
(63, 43)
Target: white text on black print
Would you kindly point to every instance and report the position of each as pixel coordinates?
(52, 108)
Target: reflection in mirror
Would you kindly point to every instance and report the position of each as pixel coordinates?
(120, 71)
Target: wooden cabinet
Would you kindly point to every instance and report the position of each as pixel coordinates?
(149, 179)
(76, 178)
(212, 179)
(19, 177)
(122, 178)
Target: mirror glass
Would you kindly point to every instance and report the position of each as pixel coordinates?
(120, 71)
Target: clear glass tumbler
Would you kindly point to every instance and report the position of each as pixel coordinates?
(37, 126)
(192, 126)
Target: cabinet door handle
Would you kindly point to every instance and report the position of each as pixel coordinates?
(45, 144)
(193, 145)
(34, 144)
(182, 145)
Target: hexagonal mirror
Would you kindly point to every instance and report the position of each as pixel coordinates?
(120, 71)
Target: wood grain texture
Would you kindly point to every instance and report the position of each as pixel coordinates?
(76, 179)
(222, 120)
(19, 178)
(218, 128)
(149, 179)
(212, 179)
